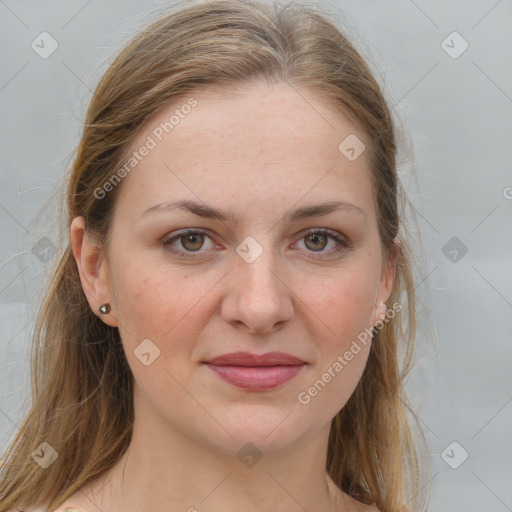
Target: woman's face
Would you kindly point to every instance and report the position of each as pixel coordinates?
(262, 271)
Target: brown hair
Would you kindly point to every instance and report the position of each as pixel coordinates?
(82, 386)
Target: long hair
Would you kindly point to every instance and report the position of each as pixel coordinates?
(82, 387)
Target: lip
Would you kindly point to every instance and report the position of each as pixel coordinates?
(256, 371)
(248, 359)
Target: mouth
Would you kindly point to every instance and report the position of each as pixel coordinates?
(256, 372)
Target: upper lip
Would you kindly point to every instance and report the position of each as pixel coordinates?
(248, 359)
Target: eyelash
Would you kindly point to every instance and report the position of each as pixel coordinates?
(343, 244)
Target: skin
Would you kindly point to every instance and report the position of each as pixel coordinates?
(259, 153)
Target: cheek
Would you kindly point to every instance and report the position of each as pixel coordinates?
(342, 349)
(344, 304)
(160, 303)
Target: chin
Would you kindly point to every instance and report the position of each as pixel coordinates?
(268, 428)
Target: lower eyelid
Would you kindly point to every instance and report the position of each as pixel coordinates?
(341, 242)
(167, 242)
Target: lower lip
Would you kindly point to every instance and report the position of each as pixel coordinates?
(256, 377)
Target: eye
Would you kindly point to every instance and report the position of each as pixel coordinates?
(317, 240)
(188, 242)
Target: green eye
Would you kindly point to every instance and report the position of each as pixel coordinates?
(318, 241)
(190, 241)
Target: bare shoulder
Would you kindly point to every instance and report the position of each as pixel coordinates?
(77, 503)
(40, 509)
(66, 507)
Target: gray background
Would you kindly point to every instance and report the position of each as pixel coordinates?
(457, 113)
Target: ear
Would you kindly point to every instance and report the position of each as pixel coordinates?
(93, 269)
(387, 280)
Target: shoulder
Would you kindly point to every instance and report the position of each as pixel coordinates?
(40, 509)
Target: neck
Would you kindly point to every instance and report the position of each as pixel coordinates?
(165, 466)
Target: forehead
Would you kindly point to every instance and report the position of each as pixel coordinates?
(277, 113)
(265, 142)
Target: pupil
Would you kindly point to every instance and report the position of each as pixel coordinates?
(195, 240)
(316, 238)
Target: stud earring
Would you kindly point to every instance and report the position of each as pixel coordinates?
(105, 308)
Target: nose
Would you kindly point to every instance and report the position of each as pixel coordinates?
(258, 298)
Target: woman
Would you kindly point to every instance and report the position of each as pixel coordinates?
(223, 329)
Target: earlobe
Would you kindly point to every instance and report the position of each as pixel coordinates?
(380, 314)
(93, 270)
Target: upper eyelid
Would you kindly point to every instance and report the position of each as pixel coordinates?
(186, 231)
(330, 232)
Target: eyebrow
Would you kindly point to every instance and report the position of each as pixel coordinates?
(203, 210)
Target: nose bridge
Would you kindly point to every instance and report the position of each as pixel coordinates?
(259, 276)
(261, 300)
(257, 263)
